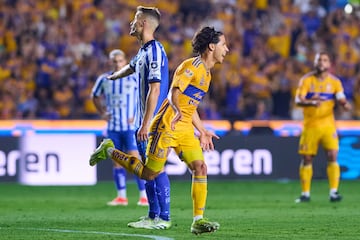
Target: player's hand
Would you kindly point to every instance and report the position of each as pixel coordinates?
(206, 142)
(316, 103)
(142, 134)
(106, 116)
(316, 100)
(113, 76)
(347, 106)
(177, 118)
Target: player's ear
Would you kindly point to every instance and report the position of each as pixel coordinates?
(211, 46)
(142, 22)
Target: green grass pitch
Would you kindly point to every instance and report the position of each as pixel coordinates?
(245, 210)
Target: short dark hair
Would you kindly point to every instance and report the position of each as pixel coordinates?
(203, 38)
(150, 11)
(325, 53)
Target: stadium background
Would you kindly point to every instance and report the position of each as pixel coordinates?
(51, 52)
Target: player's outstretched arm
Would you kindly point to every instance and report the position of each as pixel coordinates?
(123, 72)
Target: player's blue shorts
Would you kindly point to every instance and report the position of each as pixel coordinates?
(123, 140)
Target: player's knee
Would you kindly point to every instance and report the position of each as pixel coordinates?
(332, 155)
(200, 168)
(307, 160)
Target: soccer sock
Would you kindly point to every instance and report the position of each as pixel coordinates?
(119, 175)
(163, 195)
(333, 172)
(130, 163)
(141, 186)
(154, 208)
(199, 194)
(305, 173)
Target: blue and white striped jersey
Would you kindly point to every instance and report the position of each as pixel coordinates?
(121, 99)
(151, 65)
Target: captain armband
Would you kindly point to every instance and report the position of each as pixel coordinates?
(340, 95)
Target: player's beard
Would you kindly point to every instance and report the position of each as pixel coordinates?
(135, 32)
(132, 32)
(320, 70)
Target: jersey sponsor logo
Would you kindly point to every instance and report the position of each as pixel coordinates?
(154, 75)
(199, 95)
(194, 93)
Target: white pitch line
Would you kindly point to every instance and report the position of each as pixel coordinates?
(94, 232)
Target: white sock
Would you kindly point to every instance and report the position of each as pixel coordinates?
(197, 217)
(142, 194)
(306, 194)
(110, 151)
(333, 191)
(122, 193)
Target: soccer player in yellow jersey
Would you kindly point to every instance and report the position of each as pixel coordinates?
(173, 125)
(317, 93)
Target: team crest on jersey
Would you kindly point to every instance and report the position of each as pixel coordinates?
(154, 65)
(189, 73)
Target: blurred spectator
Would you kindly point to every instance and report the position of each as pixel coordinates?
(52, 50)
(356, 98)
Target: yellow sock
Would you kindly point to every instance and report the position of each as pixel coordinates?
(199, 194)
(305, 173)
(130, 163)
(333, 172)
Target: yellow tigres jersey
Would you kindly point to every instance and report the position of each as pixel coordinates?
(326, 89)
(193, 80)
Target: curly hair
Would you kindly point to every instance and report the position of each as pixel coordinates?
(203, 38)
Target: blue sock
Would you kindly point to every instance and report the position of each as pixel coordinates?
(140, 183)
(154, 209)
(163, 193)
(119, 175)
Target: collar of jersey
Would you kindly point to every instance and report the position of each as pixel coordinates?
(147, 44)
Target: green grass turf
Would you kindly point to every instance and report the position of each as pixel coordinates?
(245, 210)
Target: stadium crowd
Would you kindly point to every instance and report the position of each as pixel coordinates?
(51, 52)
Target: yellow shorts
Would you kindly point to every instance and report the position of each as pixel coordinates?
(185, 144)
(312, 137)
